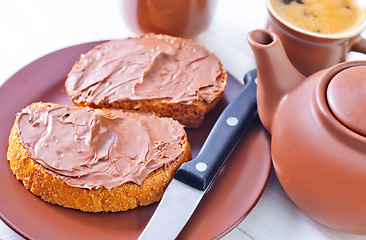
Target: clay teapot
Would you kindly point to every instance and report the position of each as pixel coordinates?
(318, 133)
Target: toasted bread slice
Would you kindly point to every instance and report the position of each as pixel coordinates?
(48, 178)
(170, 76)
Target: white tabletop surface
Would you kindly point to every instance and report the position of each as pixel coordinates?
(31, 29)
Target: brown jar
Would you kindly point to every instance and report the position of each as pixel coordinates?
(181, 18)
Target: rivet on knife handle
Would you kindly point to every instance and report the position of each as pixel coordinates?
(231, 125)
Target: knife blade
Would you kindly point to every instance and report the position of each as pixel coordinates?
(193, 178)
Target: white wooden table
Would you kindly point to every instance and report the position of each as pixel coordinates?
(30, 29)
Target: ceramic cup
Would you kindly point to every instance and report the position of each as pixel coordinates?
(180, 18)
(311, 51)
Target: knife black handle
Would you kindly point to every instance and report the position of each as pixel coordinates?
(233, 122)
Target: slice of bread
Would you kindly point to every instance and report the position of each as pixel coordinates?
(170, 76)
(44, 130)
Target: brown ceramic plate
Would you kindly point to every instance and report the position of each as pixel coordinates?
(234, 193)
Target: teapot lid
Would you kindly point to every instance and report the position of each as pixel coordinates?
(346, 94)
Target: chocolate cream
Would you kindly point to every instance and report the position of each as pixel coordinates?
(149, 67)
(92, 149)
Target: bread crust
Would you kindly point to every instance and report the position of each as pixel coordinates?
(121, 198)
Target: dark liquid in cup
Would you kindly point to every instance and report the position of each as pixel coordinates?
(320, 16)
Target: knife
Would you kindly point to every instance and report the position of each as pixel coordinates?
(193, 178)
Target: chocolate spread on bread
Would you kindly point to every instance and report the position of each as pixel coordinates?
(91, 148)
(149, 67)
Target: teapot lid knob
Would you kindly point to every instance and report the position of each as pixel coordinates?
(346, 95)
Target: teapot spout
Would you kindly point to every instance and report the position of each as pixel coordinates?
(276, 74)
